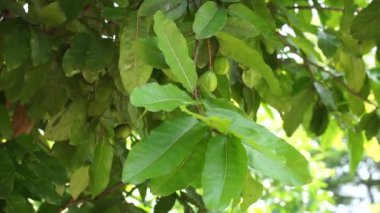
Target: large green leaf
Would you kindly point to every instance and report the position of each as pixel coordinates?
(72, 8)
(242, 53)
(150, 7)
(182, 176)
(365, 24)
(252, 191)
(15, 43)
(224, 171)
(355, 148)
(41, 46)
(209, 20)
(133, 71)
(147, 50)
(79, 181)
(74, 58)
(263, 25)
(155, 97)
(172, 43)
(268, 154)
(5, 123)
(7, 172)
(101, 167)
(163, 150)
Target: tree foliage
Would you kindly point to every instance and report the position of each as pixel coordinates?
(100, 98)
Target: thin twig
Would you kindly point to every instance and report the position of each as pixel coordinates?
(311, 7)
(105, 193)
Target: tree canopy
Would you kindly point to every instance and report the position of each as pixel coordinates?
(153, 105)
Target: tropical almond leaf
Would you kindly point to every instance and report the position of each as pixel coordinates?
(365, 25)
(174, 47)
(251, 192)
(163, 150)
(224, 171)
(242, 53)
(150, 7)
(268, 154)
(101, 167)
(79, 181)
(188, 170)
(155, 97)
(133, 71)
(209, 20)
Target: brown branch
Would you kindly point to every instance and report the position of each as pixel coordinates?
(311, 7)
(105, 193)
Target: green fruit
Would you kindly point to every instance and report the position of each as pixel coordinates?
(208, 81)
(221, 65)
(122, 131)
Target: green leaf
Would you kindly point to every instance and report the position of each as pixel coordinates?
(224, 171)
(147, 50)
(242, 53)
(264, 26)
(59, 126)
(354, 69)
(15, 43)
(74, 58)
(252, 191)
(165, 204)
(41, 45)
(133, 71)
(7, 172)
(172, 43)
(365, 25)
(209, 20)
(163, 150)
(5, 123)
(150, 7)
(79, 181)
(240, 28)
(72, 8)
(301, 102)
(17, 203)
(182, 176)
(51, 15)
(355, 146)
(99, 54)
(268, 154)
(101, 167)
(155, 97)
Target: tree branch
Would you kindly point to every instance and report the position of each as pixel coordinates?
(311, 7)
(105, 193)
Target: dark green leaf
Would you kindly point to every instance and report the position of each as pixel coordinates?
(5, 123)
(72, 8)
(165, 204)
(364, 25)
(147, 50)
(7, 172)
